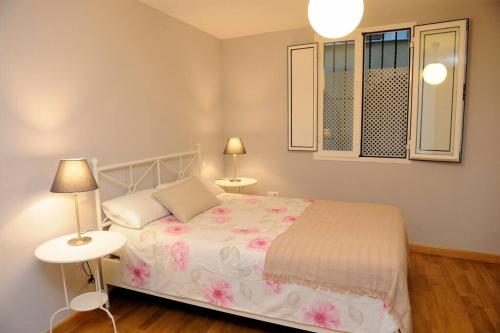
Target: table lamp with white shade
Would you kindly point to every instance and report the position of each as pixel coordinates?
(234, 146)
(74, 176)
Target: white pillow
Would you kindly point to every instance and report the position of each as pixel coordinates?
(214, 188)
(134, 210)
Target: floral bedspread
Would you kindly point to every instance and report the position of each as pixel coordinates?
(218, 258)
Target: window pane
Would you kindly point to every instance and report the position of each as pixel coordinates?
(385, 94)
(338, 96)
(436, 104)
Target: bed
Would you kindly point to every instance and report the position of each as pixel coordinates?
(217, 260)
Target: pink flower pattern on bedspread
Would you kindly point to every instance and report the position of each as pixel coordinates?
(322, 314)
(259, 243)
(382, 310)
(221, 211)
(274, 286)
(289, 218)
(219, 258)
(176, 229)
(179, 253)
(139, 274)
(218, 293)
(271, 286)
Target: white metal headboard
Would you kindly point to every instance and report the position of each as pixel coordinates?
(185, 161)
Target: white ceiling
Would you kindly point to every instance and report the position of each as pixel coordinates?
(235, 18)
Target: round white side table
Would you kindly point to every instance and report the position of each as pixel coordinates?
(57, 251)
(244, 181)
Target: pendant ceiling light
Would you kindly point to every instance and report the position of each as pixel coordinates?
(335, 18)
(435, 73)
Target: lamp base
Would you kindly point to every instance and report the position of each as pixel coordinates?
(79, 241)
(235, 180)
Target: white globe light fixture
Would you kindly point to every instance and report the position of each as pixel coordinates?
(435, 73)
(335, 18)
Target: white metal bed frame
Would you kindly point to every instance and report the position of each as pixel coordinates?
(110, 265)
(155, 163)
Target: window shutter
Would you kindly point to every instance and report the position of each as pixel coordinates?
(439, 70)
(303, 97)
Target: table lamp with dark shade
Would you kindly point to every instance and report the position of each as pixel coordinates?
(74, 176)
(234, 146)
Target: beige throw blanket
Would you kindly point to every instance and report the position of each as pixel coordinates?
(347, 247)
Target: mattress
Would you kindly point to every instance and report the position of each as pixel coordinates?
(218, 258)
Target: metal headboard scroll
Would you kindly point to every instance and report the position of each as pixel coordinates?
(185, 161)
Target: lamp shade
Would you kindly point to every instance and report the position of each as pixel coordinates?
(234, 146)
(72, 176)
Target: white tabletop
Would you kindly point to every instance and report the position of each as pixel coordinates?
(58, 251)
(226, 182)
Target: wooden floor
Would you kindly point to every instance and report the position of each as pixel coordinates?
(447, 295)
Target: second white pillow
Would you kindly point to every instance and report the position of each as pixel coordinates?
(134, 210)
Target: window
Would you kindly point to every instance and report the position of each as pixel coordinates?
(373, 94)
(302, 97)
(438, 103)
(365, 84)
(338, 96)
(386, 82)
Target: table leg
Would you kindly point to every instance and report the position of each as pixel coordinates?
(64, 285)
(110, 317)
(55, 313)
(98, 282)
(98, 289)
(63, 276)
(97, 277)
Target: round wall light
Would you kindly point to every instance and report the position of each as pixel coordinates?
(335, 18)
(435, 73)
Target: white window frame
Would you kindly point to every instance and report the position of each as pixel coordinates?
(456, 145)
(304, 112)
(358, 77)
(357, 37)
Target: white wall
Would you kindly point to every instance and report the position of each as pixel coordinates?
(111, 79)
(445, 204)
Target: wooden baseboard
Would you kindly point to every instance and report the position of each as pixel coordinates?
(455, 253)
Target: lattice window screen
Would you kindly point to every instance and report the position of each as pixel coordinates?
(385, 94)
(338, 98)
(338, 111)
(385, 112)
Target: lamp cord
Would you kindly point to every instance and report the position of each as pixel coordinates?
(88, 272)
(86, 267)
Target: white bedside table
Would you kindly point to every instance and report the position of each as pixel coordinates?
(226, 182)
(58, 251)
